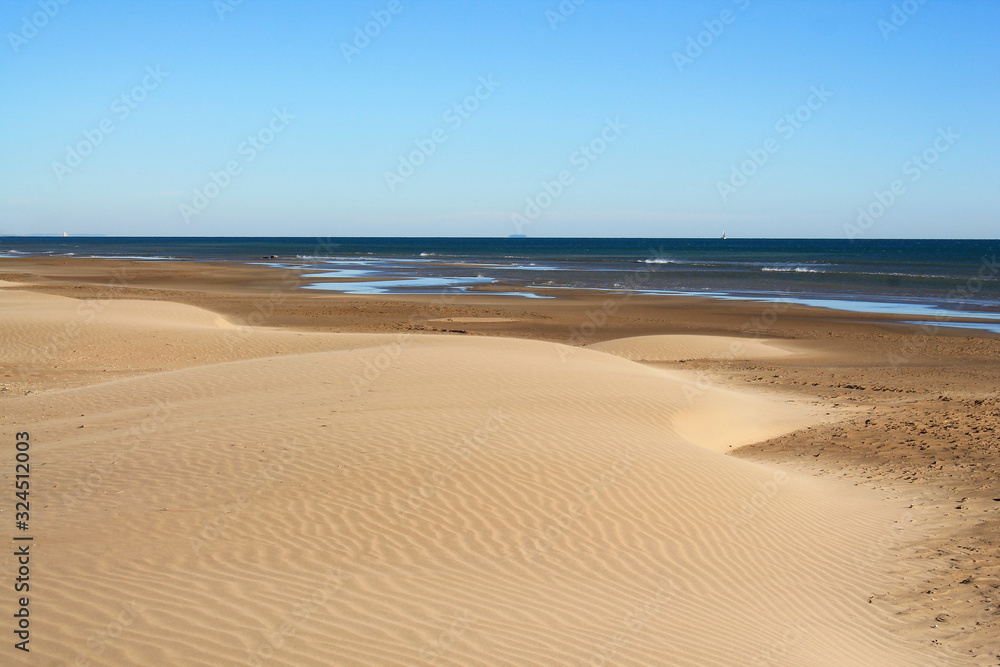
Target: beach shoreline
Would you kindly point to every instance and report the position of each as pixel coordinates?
(275, 296)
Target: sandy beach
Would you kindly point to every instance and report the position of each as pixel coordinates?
(229, 470)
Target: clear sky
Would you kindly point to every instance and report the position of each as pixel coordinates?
(603, 118)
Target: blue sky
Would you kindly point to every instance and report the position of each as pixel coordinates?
(673, 119)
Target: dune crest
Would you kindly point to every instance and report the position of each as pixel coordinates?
(683, 347)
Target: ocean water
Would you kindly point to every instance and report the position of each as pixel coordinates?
(942, 279)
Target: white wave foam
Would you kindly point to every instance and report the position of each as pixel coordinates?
(790, 269)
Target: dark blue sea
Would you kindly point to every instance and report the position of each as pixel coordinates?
(925, 278)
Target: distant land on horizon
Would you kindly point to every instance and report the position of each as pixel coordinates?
(508, 236)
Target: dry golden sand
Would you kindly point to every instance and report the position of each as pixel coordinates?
(205, 492)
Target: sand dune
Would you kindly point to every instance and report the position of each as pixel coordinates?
(52, 341)
(681, 347)
(713, 416)
(396, 500)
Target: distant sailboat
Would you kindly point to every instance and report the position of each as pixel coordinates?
(723, 234)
